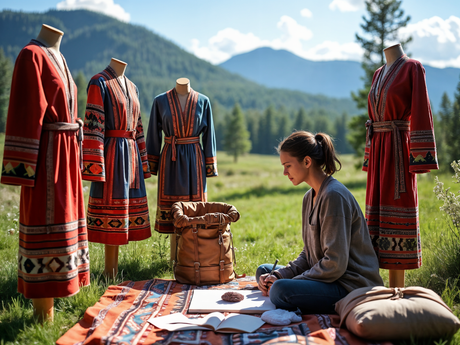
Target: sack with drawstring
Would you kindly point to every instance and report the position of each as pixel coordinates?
(381, 313)
(204, 243)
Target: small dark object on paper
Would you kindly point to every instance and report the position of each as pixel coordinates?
(232, 297)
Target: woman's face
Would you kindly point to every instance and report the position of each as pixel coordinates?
(296, 171)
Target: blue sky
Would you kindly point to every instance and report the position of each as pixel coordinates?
(317, 30)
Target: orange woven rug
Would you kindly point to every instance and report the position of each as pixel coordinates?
(120, 317)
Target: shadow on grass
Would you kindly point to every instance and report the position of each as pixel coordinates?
(261, 192)
(16, 317)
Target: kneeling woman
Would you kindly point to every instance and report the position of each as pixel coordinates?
(337, 256)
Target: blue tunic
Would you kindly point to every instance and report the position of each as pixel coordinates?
(182, 164)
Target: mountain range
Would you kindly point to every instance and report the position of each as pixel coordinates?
(154, 63)
(283, 69)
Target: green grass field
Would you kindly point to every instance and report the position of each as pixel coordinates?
(269, 228)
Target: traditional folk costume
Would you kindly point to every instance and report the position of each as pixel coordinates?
(400, 144)
(182, 165)
(42, 154)
(115, 159)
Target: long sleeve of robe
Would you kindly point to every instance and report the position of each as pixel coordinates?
(53, 250)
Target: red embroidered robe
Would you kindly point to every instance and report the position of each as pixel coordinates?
(53, 249)
(118, 211)
(400, 145)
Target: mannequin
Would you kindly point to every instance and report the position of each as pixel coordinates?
(183, 118)
(54, 203)
(400, 144)
(111, 199)
(111, 252)
(50, 37)
(183, 90)
(393, 53)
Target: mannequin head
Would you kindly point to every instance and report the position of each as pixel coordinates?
(118, 66)
(392, 53)
(50, 37)
(183, 86)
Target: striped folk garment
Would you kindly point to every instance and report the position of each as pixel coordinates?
(115, 160)
(400, 144)
(42, 155)
(182, 164)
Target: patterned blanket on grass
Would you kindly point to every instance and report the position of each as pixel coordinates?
(120, 317)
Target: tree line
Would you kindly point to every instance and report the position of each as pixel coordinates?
(239, 132)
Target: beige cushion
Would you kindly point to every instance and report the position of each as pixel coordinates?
(381, 313)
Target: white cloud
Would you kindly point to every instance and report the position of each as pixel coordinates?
(435, 41)
(329, 50)
(306, 13)
(347, 5)
(107, 7)
(229, 42)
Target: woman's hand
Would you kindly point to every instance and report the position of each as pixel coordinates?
(265, 282)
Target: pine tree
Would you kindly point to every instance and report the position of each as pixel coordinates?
(6, 71)
(300, 123)
(253, 117)
(267, 131)
(441, 128)
(81, 83)
(385, 19)
(236, 140)
(453, 130)
(340, 126)
(284, 125)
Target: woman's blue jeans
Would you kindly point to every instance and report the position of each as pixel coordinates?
(312, 297)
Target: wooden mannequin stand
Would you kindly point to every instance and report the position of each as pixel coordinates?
(183, 90)
(111, 251)
(396, 278)
(43, 309)
(111, 261)
(51, 38)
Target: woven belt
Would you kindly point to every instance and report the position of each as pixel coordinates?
(180, 141)
(66, 126)
(395, 127)
(115, 133)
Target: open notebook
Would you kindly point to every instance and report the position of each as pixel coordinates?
(208, 301)
(232, 323)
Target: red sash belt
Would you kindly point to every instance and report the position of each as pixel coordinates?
(66, 126)
(395, 127)
(116, 133)
(180, 141)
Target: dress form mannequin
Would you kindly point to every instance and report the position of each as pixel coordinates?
(111, 251)
(392, 53)
(119, 67)
(51, 38)
(183, 90)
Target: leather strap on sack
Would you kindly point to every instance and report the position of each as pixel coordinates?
(197, 262)
(222, 257)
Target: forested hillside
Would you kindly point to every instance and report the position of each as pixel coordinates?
(154, 63)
